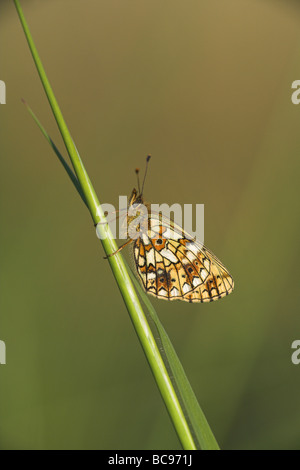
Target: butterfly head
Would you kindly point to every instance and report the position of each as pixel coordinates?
(135, 198)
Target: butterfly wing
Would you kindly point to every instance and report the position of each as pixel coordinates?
(171, 265)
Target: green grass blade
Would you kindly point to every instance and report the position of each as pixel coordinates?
(199, 425)
(58, 154)
(118, 267)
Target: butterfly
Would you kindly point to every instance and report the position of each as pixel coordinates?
(171, 264)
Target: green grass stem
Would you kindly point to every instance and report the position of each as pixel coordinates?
(174, 402)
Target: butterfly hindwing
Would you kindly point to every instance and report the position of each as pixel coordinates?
(171, 265)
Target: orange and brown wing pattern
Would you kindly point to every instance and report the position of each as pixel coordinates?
(172, 266)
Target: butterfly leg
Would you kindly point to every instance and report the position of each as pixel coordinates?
(120, 248)
(118, 216)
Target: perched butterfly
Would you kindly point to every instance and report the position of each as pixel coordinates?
(170, 263)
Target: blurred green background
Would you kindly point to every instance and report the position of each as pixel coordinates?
(205, 87)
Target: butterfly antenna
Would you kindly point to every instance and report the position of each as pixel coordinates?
(147, 161)
(137, 171)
